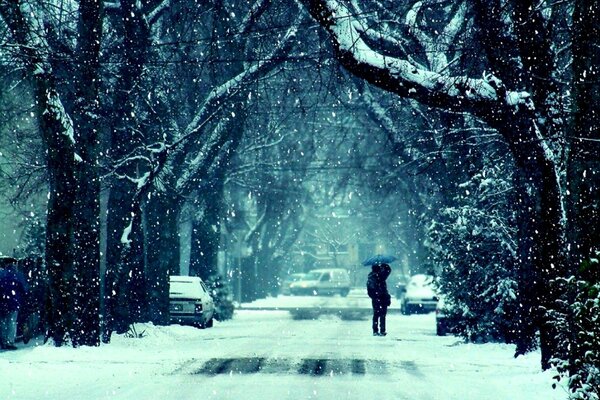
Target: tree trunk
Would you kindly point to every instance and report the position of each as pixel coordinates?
(59, 225)
(584, 161)
(72, 231)
(583, 171)
(86, 209)
(206, 231)
(162, 252)
(248, 279)
(125, 294)
(541, 232)
(206, 236)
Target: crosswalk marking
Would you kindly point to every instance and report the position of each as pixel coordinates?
(307, 366)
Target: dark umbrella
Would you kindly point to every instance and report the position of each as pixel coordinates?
(379, 259)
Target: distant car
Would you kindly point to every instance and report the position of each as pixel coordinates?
(190, 302)
(291, 278)
(327, 281)
(419, 296)
(400, 287)
(441, 319)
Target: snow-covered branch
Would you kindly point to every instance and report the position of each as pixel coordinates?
(435, 47)
(253, 15)
(155, 13)
(214, 103)
(264, 146)
(220, 93)
(401, 76)
(252, 230)
(26, 27)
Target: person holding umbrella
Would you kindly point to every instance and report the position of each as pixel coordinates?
(380, 297)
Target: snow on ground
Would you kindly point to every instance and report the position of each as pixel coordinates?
(357, 298)
(268, 355)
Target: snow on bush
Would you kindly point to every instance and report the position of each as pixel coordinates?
(579, 363)
(474, 250)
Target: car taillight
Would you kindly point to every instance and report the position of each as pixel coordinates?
(198, 308)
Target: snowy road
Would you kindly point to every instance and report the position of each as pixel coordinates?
(268, 355)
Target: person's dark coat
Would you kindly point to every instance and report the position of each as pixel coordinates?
(377, 287)
(13, 289)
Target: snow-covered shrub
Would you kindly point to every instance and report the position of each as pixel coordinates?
(474, 252)
(34, 238)
(222, 297)
(580, 361)
(133, 333)
(304, 314)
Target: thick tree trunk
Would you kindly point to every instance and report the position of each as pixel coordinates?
(162, 252)
(266, 268)
(86, 209)
(125, 288)
(125, 294)
(248, 279)
(59, 228)
(72, 239)
(583, 171)
(206, 236)
(57, 130)
(584, 161)
(541, 230)
(206, 231)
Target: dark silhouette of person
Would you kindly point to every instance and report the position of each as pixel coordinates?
(13, 289)
(380, 297)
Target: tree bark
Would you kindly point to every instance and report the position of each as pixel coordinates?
(125, 295)
(86, 209)
(162, 252)
(72, 230)
(584, 160)
(206, 235)
(541, 234)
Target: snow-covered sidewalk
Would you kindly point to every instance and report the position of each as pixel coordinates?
(268, 355)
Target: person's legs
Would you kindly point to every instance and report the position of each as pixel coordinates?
(5, 329)
(8, 330)
(377, 308)
(375, 319)
(382, 314)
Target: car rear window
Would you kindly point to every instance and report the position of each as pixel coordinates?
(188, 289)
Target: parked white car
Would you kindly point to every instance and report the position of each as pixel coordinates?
(285, 284)
(328, 281)
(419, 296)
(190, 302)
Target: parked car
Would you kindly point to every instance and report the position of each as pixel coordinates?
(419, 296)
(323, 282)
(291, 278)
(190, 302)
(441, 320)
(400, 287)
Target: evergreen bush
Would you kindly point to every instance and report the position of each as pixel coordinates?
(222, 297)
(580, 361)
